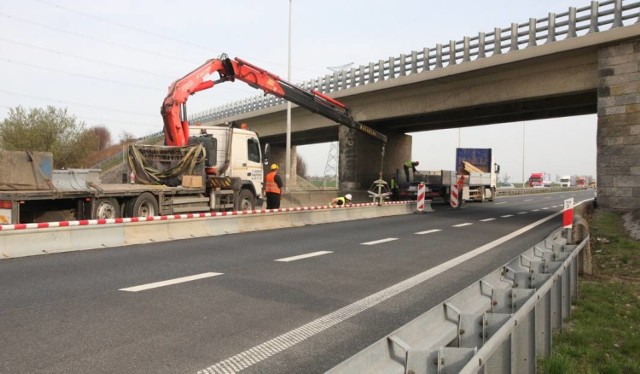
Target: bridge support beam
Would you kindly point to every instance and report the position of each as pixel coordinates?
(619, 126)
(360, 156)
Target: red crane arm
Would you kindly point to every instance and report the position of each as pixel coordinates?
(174, 112)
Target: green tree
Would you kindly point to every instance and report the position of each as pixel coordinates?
(48, 130)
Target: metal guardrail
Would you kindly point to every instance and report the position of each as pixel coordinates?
(500, 324)
(574, 23)
(527, 191)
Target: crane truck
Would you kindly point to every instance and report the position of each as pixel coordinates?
(200, 167)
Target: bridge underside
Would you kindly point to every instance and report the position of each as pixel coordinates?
(600, 79)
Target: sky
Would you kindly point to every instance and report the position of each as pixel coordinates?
(110, 63)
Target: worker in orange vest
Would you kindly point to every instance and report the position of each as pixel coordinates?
(273, 188)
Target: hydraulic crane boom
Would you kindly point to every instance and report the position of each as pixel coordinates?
(174, 112)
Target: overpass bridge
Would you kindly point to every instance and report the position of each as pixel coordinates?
(583, 61)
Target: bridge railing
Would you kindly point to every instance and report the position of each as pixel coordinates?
(576, 22)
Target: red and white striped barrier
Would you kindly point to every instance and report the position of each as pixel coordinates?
(453, 199)
(421, 196)
(54, 237)
(93, 222)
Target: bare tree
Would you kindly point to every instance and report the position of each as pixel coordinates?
(104, 136)
(301, 167)
(126, 137)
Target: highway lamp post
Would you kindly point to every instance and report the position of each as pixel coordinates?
(523, 123)
(288, 145)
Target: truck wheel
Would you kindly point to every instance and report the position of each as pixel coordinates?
(105, 208)
(245, 200)
(144, 205)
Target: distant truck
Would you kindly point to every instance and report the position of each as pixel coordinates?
(565, 181)
(540, 179)
(581, 181)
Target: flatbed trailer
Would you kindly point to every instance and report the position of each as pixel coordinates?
(75, 194)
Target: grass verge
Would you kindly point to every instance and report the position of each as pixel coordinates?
(603, 334)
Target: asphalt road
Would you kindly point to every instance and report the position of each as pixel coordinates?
(246, 301)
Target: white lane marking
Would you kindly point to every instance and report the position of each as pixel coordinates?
(427, 232)
(536, 210)
(529, 200)
(300, 257)
(545, 208)
(463, 224)
(148, 286)
(522, 212)
(507, 216)
(487, 219)
(502, 202)
(287, 340)
(379, 241)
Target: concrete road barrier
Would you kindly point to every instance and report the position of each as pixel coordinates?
(55, 237)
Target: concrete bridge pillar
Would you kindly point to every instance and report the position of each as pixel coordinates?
(360, 156)
(278, 156)
(619, 126)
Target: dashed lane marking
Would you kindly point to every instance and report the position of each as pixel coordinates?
(487, 219)
(427, 232)
(300, 257)
(169, 282)
(507, 216)
(379, 241)
(261, 352)
(463, 224)
(502, 202)
(522, 212)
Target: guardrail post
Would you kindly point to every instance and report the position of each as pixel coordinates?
(403, 62)
(571, 31)
(497, 41)
(481, 45)
(425, 59)
(381, 76)
(594, 18)
(452, 52)
(414, 62)
(533, 32)
(617, 15)
(543, 325)
(514, 37)
(438, 56)
(551, 28)
(466, 50)
(392, 68)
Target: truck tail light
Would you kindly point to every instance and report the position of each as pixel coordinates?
(6, 205)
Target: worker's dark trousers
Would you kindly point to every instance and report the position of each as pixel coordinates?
(273, 200)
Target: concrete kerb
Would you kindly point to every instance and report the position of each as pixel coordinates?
(83, 235)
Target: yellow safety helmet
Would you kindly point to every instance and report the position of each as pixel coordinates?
(274, 167)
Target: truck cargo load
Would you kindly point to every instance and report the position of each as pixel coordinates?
(21, 171)
(478, 170)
